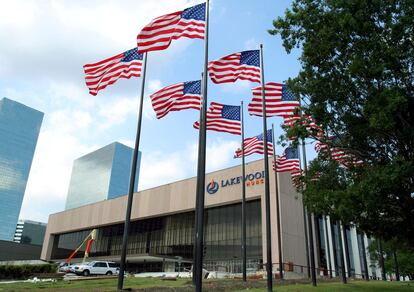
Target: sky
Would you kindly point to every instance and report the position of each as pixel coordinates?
(44, 45)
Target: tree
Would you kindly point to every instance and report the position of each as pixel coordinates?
(357, 81)
(404, 255)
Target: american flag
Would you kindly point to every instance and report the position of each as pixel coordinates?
(280, 101)
(177, 97)
(296, 177)
(288, 162)
(158, 34)
(255, 145)
(307, 121)
(223, 118)
(337, 153)
(100, 75)
(244, 66)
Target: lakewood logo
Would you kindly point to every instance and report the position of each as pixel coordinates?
(212, 187)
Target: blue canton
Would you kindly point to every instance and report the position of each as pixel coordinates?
(251, 58)
(197, 12)
(192, 87)
(231, 112)
(131, 55)
(287, 95)
(269, 136)
(291, 153)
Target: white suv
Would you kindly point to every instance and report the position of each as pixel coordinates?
(96, 268)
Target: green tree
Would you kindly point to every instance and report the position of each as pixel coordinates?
(403, 253)
(357, 81)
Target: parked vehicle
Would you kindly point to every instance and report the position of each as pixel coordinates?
(65, 267)
(96, 268)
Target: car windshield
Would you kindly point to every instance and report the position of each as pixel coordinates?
(87, 263)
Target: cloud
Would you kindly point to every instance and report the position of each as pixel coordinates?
(159, 168)
(251, 44)
(153, 86)
(219, 153)
(237, 87)
(50, 173)
(117, 111)
(56, 38)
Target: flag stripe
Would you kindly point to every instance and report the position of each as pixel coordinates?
(175, 98)
(161, 31)
(222, 118)
(106, 72)
(231, 68)
(255, 145)
(278, 103)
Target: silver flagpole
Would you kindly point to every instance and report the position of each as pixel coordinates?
(279, 230)
(244, 251)
(197, 198)
(267, 191)
(310, 230)
(328, 249)
(201, 172)
(132, 181)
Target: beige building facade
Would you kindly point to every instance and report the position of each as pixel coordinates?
(162, 227)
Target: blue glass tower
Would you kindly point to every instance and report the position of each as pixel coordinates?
(101, 175)
(19, 130)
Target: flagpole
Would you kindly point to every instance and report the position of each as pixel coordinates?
(309, 217)
(197, 198)
(279, 231)
(132, 181)
(305, 227)
(201, 172)
(328, 248)
(364, 258)
(341, 251)
(267, 190)
(346, 250)
(244, 251)
(381, 260)
(310, 231)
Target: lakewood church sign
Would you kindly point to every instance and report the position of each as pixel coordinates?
(251, 179)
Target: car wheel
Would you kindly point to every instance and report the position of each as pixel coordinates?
(86, 273)
(109, 273)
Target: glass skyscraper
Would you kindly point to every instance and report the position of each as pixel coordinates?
(101, 175)
(19, 130)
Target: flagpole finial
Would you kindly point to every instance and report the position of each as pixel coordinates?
(261, 46)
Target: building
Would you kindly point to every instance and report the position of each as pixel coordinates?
(19, 130)
(101, 175)
(30, 232)
(162, 227)
(13, 253)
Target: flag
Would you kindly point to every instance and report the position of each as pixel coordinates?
(223, 118)
(296, 177)
(177, 97)
(312, 128)
(100, 75)
(255, 145)
(337, 153)
(158, 34)
(290, 120)
(244, 66)
(288, 162)
(280, 101)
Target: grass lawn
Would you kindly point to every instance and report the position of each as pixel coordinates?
(153, 285)
(339, 287)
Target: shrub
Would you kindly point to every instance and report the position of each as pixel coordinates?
(25, 271)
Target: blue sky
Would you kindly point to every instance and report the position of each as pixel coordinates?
(46, 43)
